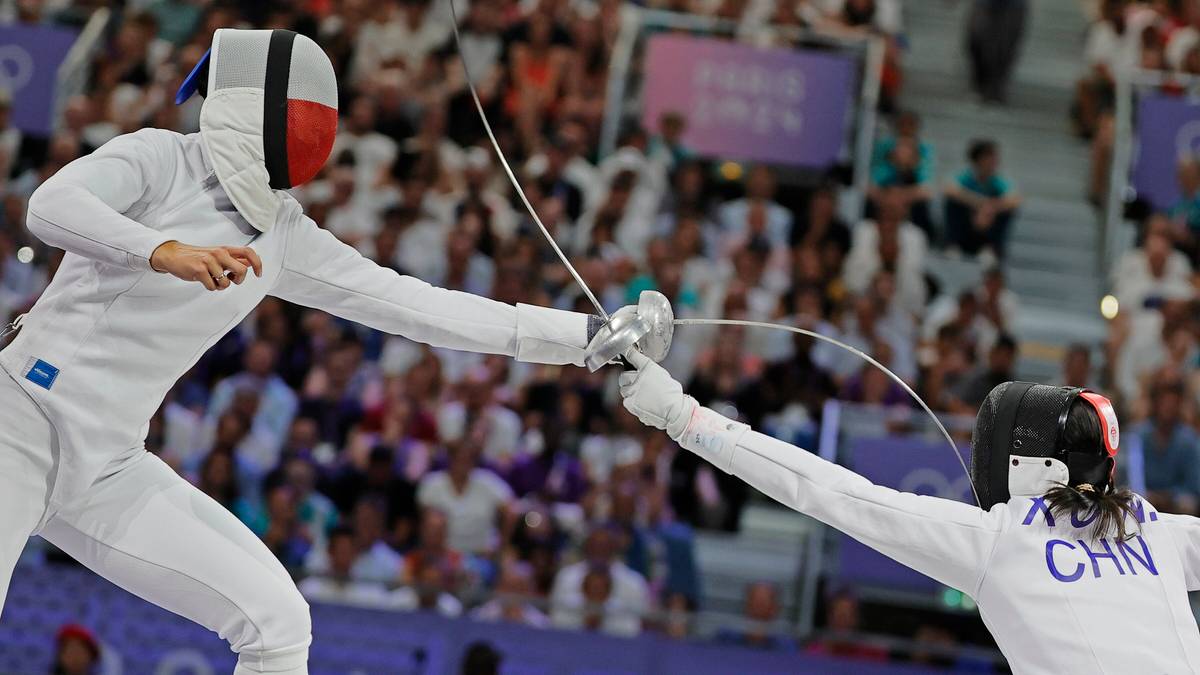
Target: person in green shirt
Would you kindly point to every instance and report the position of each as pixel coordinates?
(980, 204)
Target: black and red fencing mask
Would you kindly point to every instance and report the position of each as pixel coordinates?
(1022, 419)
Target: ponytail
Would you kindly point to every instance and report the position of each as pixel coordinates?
(1105, 508)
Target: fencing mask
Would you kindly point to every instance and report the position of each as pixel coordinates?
(269, 116)
(1022, 421)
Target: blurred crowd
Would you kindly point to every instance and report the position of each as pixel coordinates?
(1163, 36)
(1152, 356)
(386, 473)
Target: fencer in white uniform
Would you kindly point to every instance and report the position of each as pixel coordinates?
(110, 336)
(1070, 574)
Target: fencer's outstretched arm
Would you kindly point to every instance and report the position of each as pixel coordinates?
(1186, 532)
(80, 208)
(944, 539)
(321, 271)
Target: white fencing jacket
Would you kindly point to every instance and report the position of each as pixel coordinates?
(109, 336)
(1056, 601)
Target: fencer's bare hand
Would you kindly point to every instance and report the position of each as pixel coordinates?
(216, 267)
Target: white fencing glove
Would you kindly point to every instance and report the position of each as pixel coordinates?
(654, 397)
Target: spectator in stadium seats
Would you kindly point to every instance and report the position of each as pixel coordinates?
(726, 372)
(863, 328)
(481, 658)
(679, 616)
(629, 596)
(302, 438)
(976, 332)
(890, 242)
(757, 628)
(1146, 276)
(513, 589)
(1171, 449)
(374, 559)
(738, 217)
(349, 213)
(372, 151)
(432, 591)
(63, 149)
(217, 479)
(903, 168)
(432, 544)
(338, 584)
(279, 525)
(840, 637)
(1077, 366)
(667, 146)
(477, 502)
(944, 364)
(537, 68)
(1000, 367)
(935, 646)
(20, 283)
(881, 18)
(397, 33)
(1111, 46)
(994, 32)
(871, 386)
(997, 303)
(328, 395)
(551, 474)
(905, 126)
(980, 204)
(893, 317)
(10, 140)
(688, 194)
(475, 410)
(669, 273)
(379, 478)
(277, 403)
(819, 223)
(77, 651)
(622, 223)
(232, 429)
(800, 380)
(553, 181)
(466, 269)
(1186, 211)
(597, 590)
(315, 511)
(1141, 340)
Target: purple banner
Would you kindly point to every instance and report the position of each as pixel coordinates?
(778, 106)
(1167, 130)
(915, 465)
(141, 639)
(29, 61)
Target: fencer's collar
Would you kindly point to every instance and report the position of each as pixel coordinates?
(1034, 476)
(231, 131)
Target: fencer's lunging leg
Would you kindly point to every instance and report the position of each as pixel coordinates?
(151, 532)
(27, 452)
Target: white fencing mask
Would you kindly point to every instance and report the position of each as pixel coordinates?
(269, 116)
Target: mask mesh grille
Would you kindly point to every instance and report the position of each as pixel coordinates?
(241, 59)
(1036, 431)
(312, 77)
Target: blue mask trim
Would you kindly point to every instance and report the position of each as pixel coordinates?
(193, 81)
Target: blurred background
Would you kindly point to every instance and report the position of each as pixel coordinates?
(971, 190)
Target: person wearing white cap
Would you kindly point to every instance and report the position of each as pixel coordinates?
(171, 241)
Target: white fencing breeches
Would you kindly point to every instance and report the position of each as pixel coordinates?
(146, 529)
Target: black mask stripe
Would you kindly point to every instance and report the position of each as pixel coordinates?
(1006, 418)
(279, 66)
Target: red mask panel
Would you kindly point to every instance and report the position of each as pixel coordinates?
(311, 130)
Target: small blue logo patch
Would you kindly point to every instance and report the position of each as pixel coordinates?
(42, 374)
